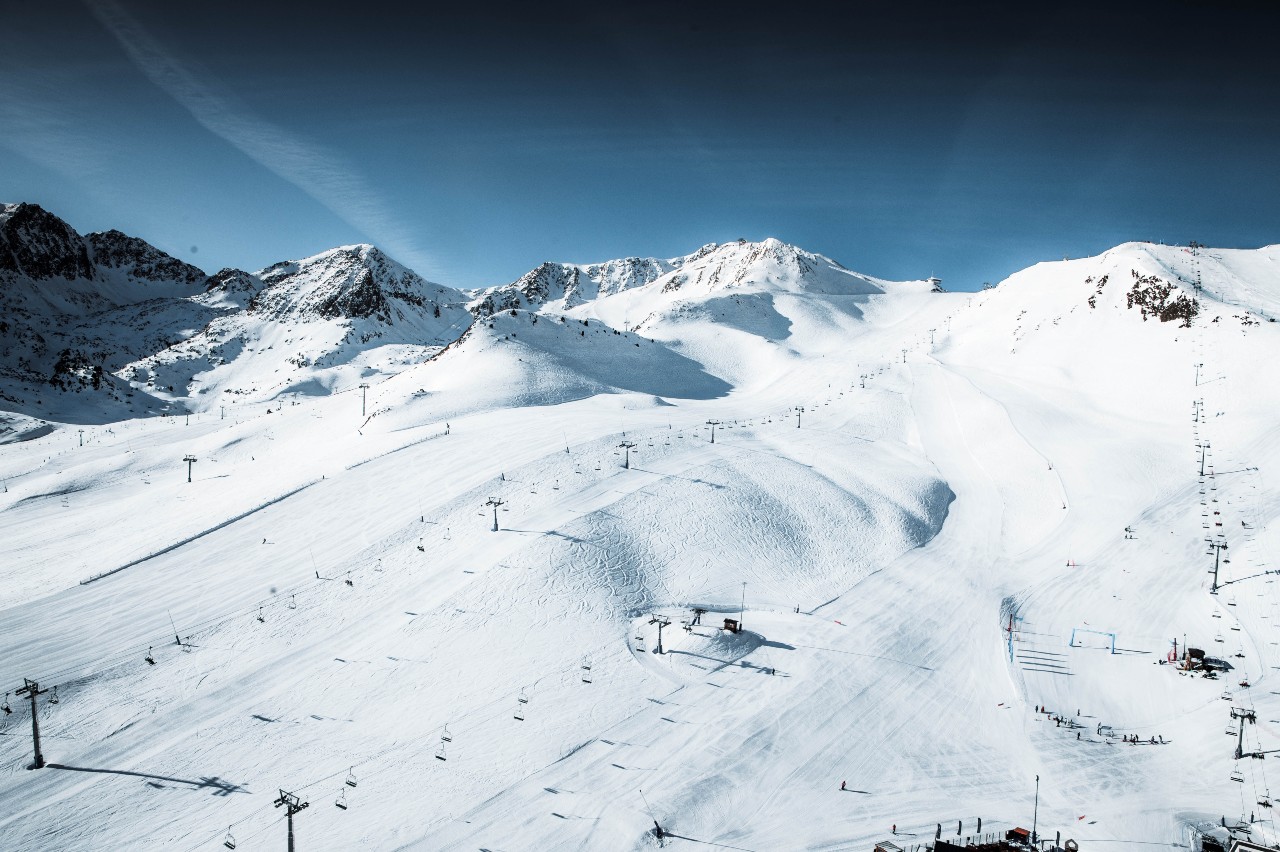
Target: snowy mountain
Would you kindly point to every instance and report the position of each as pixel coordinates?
(76, 309)
(968, 539)
(559, 287)
(307, 326)
(119, 328)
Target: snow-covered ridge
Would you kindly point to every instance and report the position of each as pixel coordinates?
(770, 263)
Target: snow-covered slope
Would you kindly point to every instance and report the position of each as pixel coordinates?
(517, 358)
(933, 512)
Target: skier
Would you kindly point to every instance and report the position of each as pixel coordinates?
(895, 828)
(842, 783)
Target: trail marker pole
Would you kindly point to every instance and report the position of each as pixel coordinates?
(32, 689)
(742, 610)
(190, 460)
(364, 391)
(495, 503)
(799, 411)
(292, 805)
(82, 437)
(713, 424)
(626, 459)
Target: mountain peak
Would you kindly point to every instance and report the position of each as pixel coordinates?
(354, 282)
(37, 244)
(138, 259)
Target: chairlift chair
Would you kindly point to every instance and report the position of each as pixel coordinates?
(261, 616)
(53, 696)
(6, 708)
(293, 601)
(229, 841)
(445, 736)
(149, 658)
(341, 801)
(440, 755)
(586, 671)
(1237, 775)
(522, 701)
(351, 777)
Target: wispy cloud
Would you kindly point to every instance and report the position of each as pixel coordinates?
(317, 172)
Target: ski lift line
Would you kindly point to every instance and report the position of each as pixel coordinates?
(77, 674)
(128, 652)
(500, 707)
(222, 832)
(102, 665)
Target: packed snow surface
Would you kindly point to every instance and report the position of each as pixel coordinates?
(932, 513)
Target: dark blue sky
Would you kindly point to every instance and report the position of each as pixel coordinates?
(901, 139)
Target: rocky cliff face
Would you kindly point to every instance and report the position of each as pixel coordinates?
(139, 260)
(37, 245)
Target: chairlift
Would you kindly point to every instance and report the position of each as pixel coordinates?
(53, 696)
(1237, 775)
(229, 841)
(440, 755)
(261, 617)
(6, 708)
(348, 580)
(341, 801)
(293, 601)
(351, 777)
(149, 658)
(586, 671)
(445, 736)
